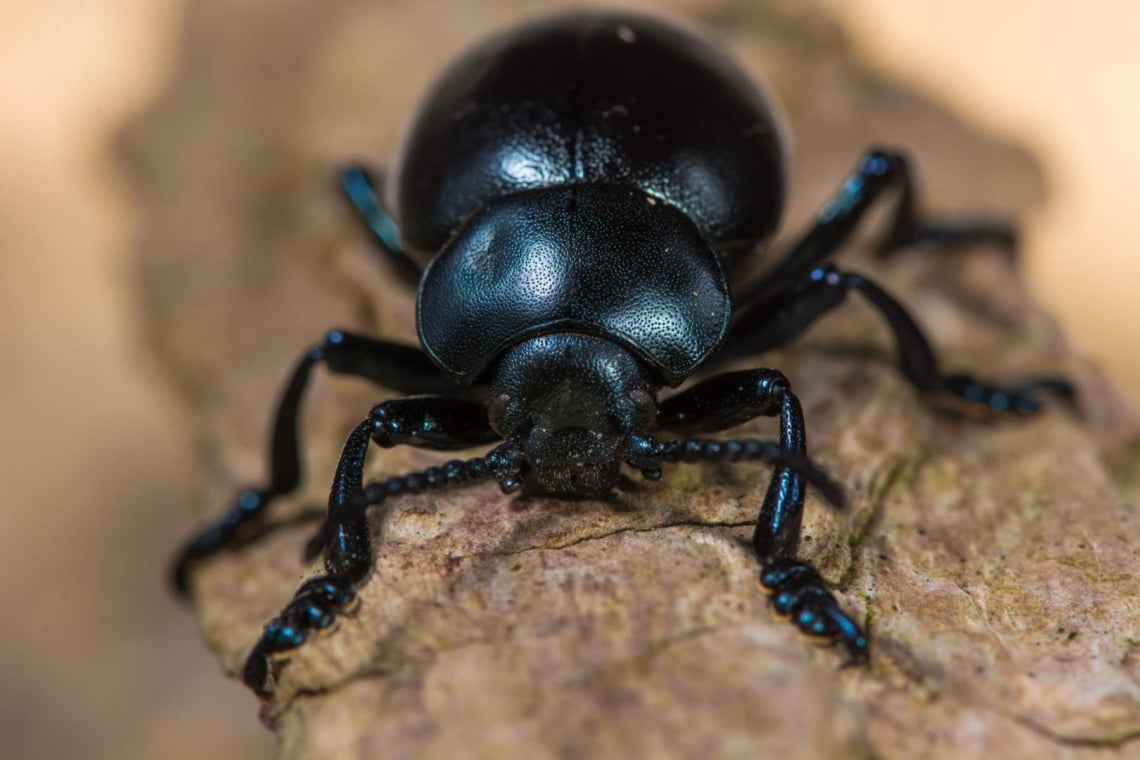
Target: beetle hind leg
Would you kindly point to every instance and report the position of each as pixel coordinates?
(908, 228)
(879, 172)
(358, 184)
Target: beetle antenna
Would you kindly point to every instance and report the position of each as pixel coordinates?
(504, 463)
(648, 454)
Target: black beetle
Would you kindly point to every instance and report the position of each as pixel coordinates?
(577, 200)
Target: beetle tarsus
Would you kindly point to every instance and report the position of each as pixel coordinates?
(951, 237)
(797, 592)
(1021, 399)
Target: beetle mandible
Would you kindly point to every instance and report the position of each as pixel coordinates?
(576, 200)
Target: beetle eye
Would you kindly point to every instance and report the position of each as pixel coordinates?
(496, 408)
(645, 402)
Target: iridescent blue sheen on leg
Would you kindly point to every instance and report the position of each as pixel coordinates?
(348, 544)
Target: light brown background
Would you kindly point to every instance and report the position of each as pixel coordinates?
(97, 661)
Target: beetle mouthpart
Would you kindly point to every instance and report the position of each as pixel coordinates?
(573, 462)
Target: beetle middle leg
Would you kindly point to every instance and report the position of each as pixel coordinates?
(391, 365)
(345, 534)
(795, 586)
(779, 320)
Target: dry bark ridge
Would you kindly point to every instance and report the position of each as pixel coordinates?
(994, 565)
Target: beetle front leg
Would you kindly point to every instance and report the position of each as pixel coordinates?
(347, 539)
(730, 399)
(391, 365)
(722, 401)
(431, 422)
(347, 562)
(796, 588)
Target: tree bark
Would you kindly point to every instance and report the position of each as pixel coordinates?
(993, 564)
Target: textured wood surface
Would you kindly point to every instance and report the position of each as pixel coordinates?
(994, 564)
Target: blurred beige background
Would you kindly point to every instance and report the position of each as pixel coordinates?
(97, 660)
(1061, 78)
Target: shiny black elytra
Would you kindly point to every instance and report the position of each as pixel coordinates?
(577, 201)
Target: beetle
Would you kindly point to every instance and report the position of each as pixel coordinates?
(577, 201)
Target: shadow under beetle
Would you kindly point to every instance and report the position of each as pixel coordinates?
(577, 200)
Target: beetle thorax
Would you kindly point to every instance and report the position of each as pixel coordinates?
(571, 400)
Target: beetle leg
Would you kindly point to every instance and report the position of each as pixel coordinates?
(431, 422)
(781, 319)
(359, 188)
(802, 593)
(778, 525)
(393, 365)
(722, 401)
(879, 171)
(348, 552)
(796, 591)
(907, 228)
(796, 588)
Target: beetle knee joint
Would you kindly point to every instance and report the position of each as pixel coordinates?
(770, 390)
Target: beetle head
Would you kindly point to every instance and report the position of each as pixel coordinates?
(571, 400)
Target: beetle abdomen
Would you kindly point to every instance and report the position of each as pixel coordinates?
(595, 97)
(605, 260)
